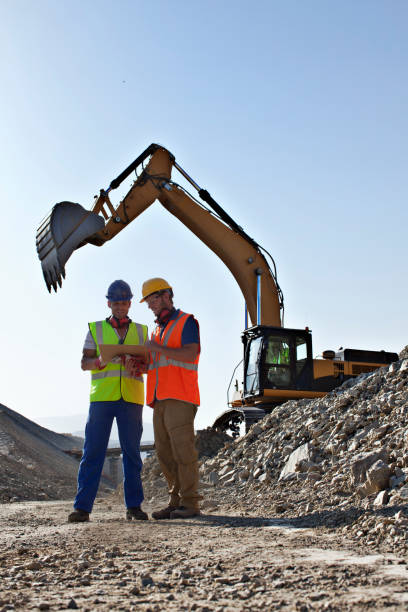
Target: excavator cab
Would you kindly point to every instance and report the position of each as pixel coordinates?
(276, 361)
(279, 366)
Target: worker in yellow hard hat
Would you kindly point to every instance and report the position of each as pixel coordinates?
(173, 393)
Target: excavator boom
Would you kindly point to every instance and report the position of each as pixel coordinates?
(69, 226)
(243, 260)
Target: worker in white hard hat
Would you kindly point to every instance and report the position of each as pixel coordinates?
(173, 393)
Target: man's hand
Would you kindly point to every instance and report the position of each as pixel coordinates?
(90, 361)
(99, 363)
(135, 366)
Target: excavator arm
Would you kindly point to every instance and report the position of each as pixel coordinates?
(69, 226)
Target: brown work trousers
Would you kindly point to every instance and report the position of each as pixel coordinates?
(173, 423)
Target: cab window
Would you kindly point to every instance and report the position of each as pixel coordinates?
(277, 351)
(252, 373)
(277, 361)
(301, 354)
(304, 365)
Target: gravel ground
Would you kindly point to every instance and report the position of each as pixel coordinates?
(308, 511)
(218, 561)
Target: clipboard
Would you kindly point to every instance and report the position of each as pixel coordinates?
(109, 351)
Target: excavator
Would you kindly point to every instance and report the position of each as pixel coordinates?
(278, 363)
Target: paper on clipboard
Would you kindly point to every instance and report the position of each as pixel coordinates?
(109, 351)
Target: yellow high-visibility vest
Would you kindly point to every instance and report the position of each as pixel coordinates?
(113, 382)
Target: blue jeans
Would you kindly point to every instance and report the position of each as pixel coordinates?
(97, 432)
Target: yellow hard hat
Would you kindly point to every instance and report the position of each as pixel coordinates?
(152, 285)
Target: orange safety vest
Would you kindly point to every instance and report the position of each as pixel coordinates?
(169, 378)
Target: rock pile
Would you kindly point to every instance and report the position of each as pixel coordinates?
(353, 441)
(340, 460)
(343, 455)
(33, 464)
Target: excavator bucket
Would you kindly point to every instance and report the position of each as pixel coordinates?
(67, 227)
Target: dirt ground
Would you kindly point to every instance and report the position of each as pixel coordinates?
(217, 561)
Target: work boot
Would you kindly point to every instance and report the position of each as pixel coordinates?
(183, 512)
(164, 513)
(78, 516)
(136, 514)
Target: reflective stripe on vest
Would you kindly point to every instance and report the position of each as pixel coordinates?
(114, 382)
(169, 378)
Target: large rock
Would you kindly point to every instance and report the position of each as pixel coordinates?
(404, 353)
(378, 475)
(381, 499)
(300, 454)
(362, 463)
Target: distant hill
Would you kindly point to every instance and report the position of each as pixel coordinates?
(33, 464)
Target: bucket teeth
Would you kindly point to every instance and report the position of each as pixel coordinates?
(52, 271)
(47, 252)
(52, 277)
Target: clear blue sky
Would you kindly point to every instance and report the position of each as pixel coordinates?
(292, 114)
